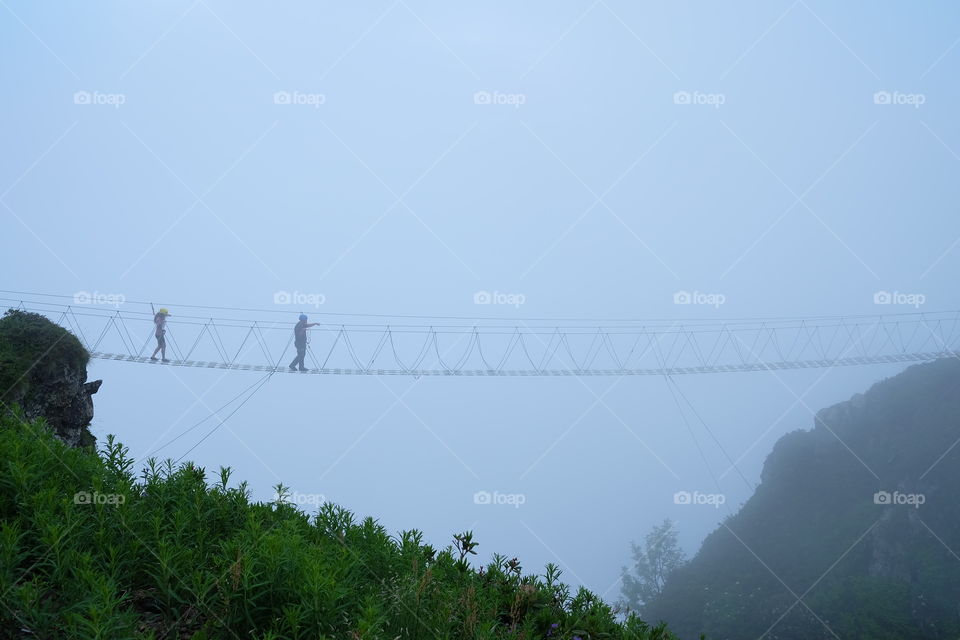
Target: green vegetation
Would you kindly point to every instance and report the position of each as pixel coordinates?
(32, 347)
(866, 568)
(653, 564)
(89, 550)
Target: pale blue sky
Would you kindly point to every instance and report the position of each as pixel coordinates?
(598, 196)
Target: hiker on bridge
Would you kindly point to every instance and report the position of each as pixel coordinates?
(300, 341)
(160, 330)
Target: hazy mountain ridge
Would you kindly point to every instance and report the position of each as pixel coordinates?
(814, 528)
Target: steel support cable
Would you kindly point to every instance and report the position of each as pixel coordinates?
(198, 423)
(916, 327)
(756, 338)
(218, 341)
(125, 337)
(612, 351)
(467, 352)
(436, 351)
(796, 339)
(771, 339)
(396, 356)
(668, 357)
(733, 464)
(595, 346)
(508, 350)
(244, 342)
(683, 417)
(197, 341)
(874, 332)
(259, 385)
(106, 326)
(956, 323)
(175, 347)
(332, 347)
(819, 343)
(474, 340)
(705, 326)
(809, 341)
(258, 334)
(626, 360)
(350, 349)
(79, 328)
(833, 338)
(460, 361)
(717, 347)
(483, 358)
(695, 347)
(526, 352)
(377, 350)
(126, 329)
(424, 350)
(569, 350)
(849, 338)
(547, 355)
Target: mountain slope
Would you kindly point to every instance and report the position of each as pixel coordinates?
(813, 555)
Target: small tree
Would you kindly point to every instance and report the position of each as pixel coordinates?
(652, 565)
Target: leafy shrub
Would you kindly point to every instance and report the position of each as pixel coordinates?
(89, 550)
(32, 347)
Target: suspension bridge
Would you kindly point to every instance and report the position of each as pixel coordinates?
(346, 344)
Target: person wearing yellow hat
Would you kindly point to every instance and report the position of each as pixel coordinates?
(160, 329)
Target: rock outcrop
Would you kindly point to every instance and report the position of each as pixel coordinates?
(65, 401)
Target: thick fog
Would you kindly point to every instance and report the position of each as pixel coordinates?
(518, 161)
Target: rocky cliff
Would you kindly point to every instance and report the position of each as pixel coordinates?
(43, 373)
(854, 531)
